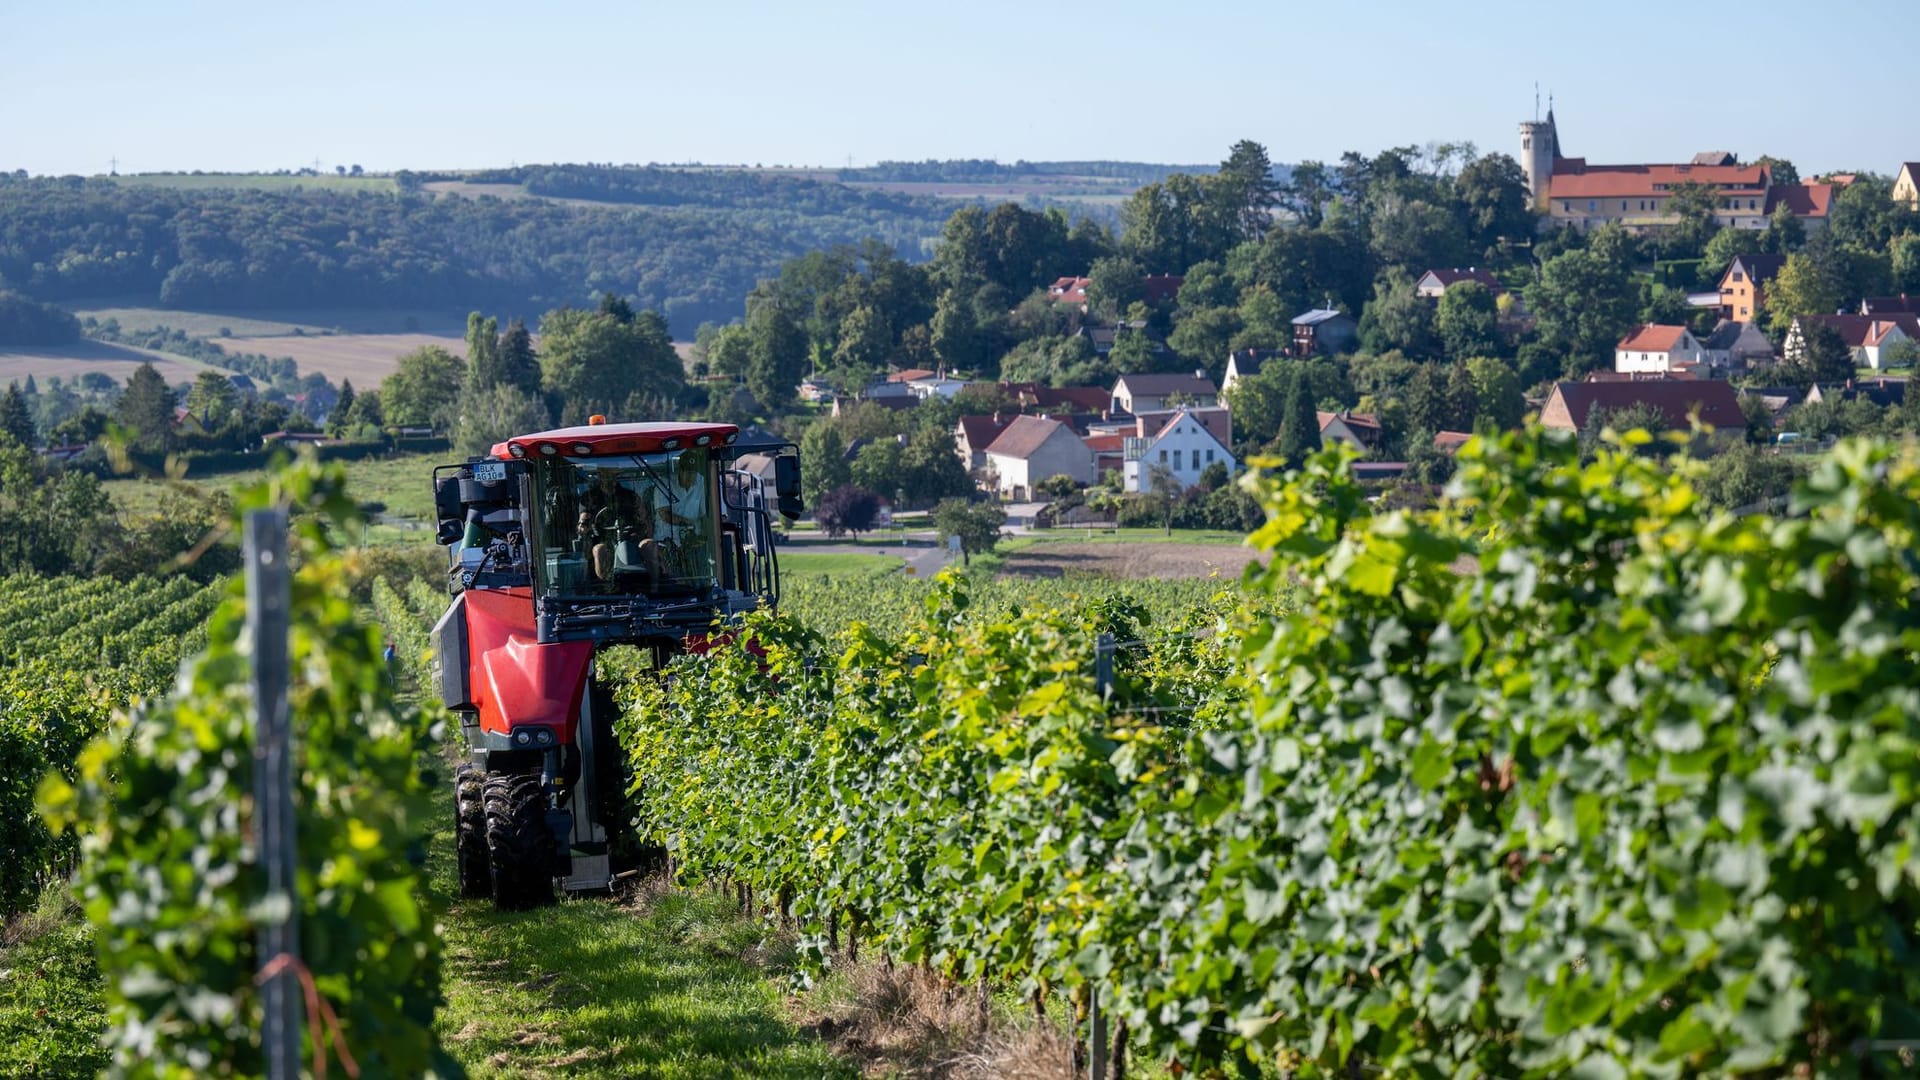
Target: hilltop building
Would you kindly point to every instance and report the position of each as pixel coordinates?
(1572, 192)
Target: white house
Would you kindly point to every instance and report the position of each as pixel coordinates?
(1245, 364)
(1866, 336)
(938, 386)
(1032, 449)
(1434, 283)
(1184, 446)
(1657, 349)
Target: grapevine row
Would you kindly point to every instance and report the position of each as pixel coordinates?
(1638, 795)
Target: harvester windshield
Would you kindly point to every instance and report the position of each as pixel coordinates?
(629, 524)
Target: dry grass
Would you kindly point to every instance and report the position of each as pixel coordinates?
(72, 361)
(896, 1020)
(364, 358)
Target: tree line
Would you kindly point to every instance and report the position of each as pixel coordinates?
(690, 254)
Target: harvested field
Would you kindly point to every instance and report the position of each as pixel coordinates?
(1126, 561)
(272, 322)
(364, 358)
(69, 362)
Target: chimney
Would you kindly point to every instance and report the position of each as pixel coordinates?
(1199, 373)
(996, 416)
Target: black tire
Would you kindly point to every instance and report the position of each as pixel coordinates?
(520, 846)
(470, 832)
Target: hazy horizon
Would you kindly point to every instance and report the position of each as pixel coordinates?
(217, 86)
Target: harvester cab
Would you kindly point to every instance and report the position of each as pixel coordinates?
(561, 543)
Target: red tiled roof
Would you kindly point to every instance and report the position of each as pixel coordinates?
(1069, 290)
(913, 374)
(1106, 444)
(1449, 441)
(1584, 181)
(1159, 288)
(1804, 200)
(1351, 419)
(1217, 420)
(1862, 330)
(1024, 436)
(1891, 305)
(1652, 338)
(982, 430)
(1675, 398)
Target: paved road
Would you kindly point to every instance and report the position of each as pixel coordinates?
(921, 549)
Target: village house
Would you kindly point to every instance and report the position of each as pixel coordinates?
(1886, 393)
(1361, 431)
(944, 386)
(973, 434)
(1434, 283)
(1735, 346)
(1183, 446)
(1069, 290)
(1033, 449)
(1153, 392)
(1866, 336)
(1245, 364)
(1080, 399)
(1323, 331)
(1743, 286)
(1657, 348)
(1572, 404)
(1906, 185)
(1890, 305)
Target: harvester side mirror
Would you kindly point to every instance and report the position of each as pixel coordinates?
(786, 484)
(447, 509)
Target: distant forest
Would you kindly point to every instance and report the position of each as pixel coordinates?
(692, 245)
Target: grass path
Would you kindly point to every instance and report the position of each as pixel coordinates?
(675, 985)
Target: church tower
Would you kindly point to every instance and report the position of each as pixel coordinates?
(1539, 146)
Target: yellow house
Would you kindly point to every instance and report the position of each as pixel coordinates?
(1906, 186)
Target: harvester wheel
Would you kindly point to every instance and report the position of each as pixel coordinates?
(470, 831)
(519, 842)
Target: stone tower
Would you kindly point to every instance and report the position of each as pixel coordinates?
(1539, 146)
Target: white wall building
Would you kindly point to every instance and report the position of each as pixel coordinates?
(1184, 446)
(1656, 349)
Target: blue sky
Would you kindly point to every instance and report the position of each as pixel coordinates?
(261, 85)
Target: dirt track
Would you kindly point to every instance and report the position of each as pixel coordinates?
(1125, 561)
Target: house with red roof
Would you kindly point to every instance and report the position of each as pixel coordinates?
(1033, 449)
(973, 434)
(1182, 447)
(1362, 431)
(1572, 404)
(1069, 290)
(1655, 348)
(1867, 336)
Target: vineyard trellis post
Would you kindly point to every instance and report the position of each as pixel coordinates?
(1103, 651)
(269, 598)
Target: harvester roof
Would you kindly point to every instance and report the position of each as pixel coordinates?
(615, 439)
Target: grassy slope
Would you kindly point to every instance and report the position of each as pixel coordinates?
(51, 1013)
(403, 483)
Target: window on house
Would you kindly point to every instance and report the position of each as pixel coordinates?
(1623, 205)
(1592, 205)
(1209, 457)
(1176, 461)
(1163, 457)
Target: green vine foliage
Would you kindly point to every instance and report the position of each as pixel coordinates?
(1569, 776)
(170, 877)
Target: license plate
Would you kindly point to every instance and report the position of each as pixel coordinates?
(489, 471)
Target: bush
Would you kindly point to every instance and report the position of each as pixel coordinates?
(171, 879)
